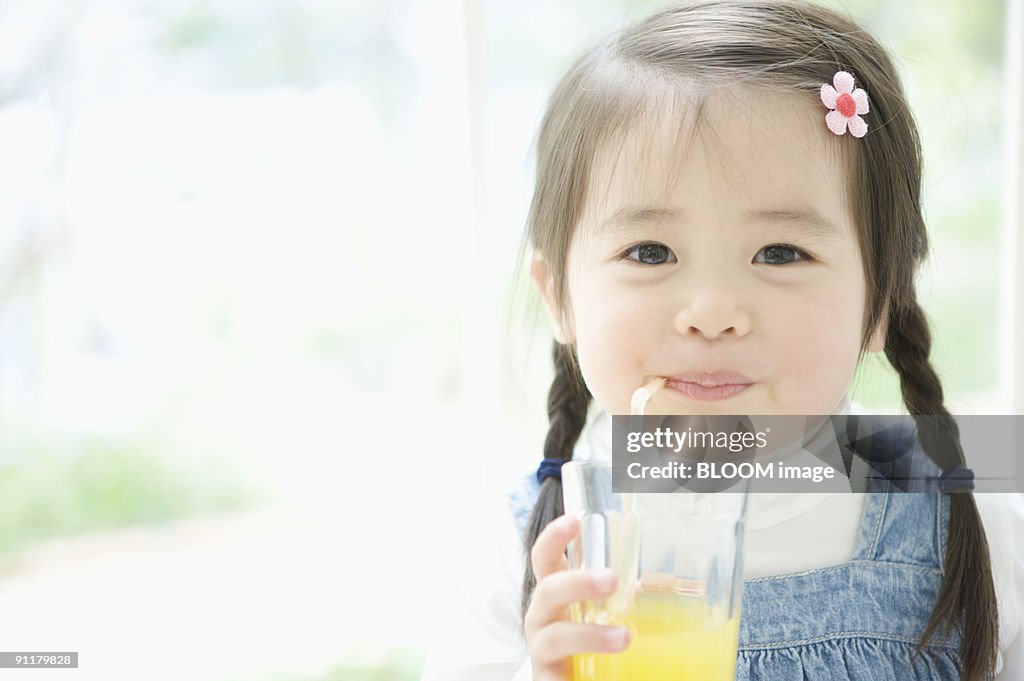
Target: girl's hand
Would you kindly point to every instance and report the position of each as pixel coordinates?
(550, 637)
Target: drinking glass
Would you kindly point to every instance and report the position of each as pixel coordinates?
(679, 561)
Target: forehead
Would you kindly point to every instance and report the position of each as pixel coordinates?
(727, 154)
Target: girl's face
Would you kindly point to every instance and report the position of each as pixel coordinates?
(729, 265)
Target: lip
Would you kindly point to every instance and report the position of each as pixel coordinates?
(709, 385)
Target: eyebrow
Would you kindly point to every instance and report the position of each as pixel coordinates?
(804, 218)
(628, 216)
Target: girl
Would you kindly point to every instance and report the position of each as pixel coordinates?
(728, 197)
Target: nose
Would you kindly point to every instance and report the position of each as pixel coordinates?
(713, 312)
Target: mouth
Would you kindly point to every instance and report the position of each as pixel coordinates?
(709, 385)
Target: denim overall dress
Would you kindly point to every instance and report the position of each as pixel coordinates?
(857, 621)
(860, 620)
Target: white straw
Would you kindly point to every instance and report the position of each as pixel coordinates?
(643, 394)
(637, 405)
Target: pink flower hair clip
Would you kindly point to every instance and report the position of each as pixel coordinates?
(847, 104)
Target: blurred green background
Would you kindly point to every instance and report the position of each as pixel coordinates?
(240, 240)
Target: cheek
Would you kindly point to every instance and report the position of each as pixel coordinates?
(611, 336)
(817, 341)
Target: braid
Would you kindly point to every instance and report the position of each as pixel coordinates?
(568, 400)
(908, 350)
(967, 595)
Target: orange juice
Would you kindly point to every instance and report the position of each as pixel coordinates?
(673, 637)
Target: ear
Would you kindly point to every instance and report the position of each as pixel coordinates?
(877, 341)
(542, 280)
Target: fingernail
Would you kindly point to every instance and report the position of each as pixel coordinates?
(604, 580)
(617, 637)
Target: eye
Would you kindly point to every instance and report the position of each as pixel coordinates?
(780, 254)
(650, 254)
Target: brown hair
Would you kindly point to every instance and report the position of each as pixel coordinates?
(790, 46)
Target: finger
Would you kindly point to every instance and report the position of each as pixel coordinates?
(548, 554)
(558, 590)
(561, 672)
(560, 640)
(547, 675)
